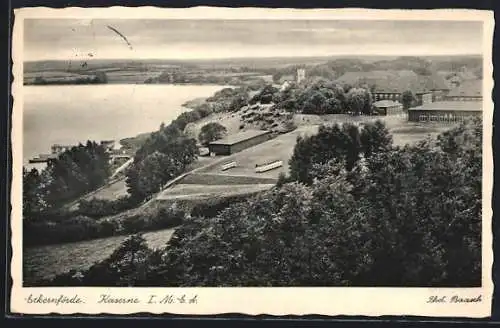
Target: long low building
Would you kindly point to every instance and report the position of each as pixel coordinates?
(388, 107)
(237, 142)
(445, 111)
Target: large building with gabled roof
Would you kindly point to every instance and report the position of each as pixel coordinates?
(445, 111)
(390, 85)
(469, 90)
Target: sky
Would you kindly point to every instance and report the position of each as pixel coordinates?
(47, 39)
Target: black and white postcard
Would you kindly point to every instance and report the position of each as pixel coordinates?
(250, 160)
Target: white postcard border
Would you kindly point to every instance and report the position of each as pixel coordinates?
(254, 301)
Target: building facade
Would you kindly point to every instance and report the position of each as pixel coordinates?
(301, 75)
(388, 107)
(422, 97)
(238, 142)
(445, 111)
(468, 90)
(57, 148)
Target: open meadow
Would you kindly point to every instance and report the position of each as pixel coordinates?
(194, 191)
(42, 262)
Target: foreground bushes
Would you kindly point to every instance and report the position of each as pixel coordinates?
(71, 229)
(132, 264)
(79, 228)
(212, 207)
(164, 218)
(97, 208)
(85, 223)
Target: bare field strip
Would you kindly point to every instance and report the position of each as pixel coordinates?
(187, 191)
(220, 179)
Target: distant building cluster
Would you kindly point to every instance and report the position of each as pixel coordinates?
(437, 99)
(56, 149)
(286, 80)
(390, 85)
(115, 153)
(470, 90)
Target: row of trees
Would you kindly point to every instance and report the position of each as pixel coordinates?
(96, 78)
(413, 209)
(333, 69)
(319, 96)
(165, 154)
(346, 142)
(79, 170)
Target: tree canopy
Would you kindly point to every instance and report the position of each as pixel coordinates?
(166, 154)
(210, 132)
(73, 173)
(408, 99)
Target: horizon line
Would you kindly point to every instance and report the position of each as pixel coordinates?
(259, 57)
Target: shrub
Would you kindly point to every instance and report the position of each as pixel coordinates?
(166, 218)
(212, 207)
(70, 230)
(97, 208)
(134, 224)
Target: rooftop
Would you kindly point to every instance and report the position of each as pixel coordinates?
(451, 105)
(468, 88)
(239, 137)
(395, 81)
(386, 103)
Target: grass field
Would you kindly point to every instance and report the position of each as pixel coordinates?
(48, 261)
(111, 192)
(208, 179)
(404, 132)
(279, 148)
(194, 191)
